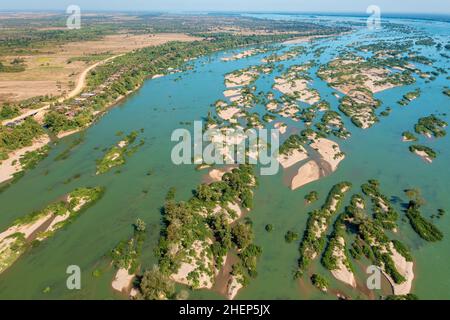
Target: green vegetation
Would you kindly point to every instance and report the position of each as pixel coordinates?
(331, 122)
(311, 197)
(424, 228)
(291, 236)
(13, 67)
(127, 253)
(446, 92)
(314, 237)
(375, 245)
(335, 253)
(320, 282)
(154, 285)
(116, 156)
(66, 152)
(7, 112)
(409, 296)
(384, 213)
(19, 136)
(59, 214)
(292, 143)
(192, 224)
(269, 227)
(420, 148)
(408, 136)
(410, 96)
(431, 126)
(402, 249)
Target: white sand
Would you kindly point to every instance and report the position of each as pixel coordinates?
(233, 288)
(58, 219)
(342, 273)
(187, 267)
(237, 208)
(282, 127)
(241, 55)
(25, 229)
(298, 87)
(67, 133)
(328, 150)
(271, 106)
(122, 281)
(289, 111)
(234, 80)
(405, 268)
(7, 168)
(232, 93)
(227, 114)
(295, 156)
(424, 156)
(307, 173)
(217, 174)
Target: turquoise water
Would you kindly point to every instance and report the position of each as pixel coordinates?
(159, 107)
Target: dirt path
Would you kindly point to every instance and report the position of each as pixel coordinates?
(77, 90)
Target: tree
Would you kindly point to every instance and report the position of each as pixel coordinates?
(140, 225)
(242, 234)
(155, 285)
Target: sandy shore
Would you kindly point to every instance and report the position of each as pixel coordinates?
(405, 268)
(12, 165)
(12, 247)
(342, 273)
(293, 157)
(272, 106)
(307, 173)
(424, 156)
(281, 126)
(242, 55)
(233, 288)
(244, 79)
(329, 151)
(68, 133)
(228, 113)
(216, 175)
(123, 281)
(297, 87)
(307, 38)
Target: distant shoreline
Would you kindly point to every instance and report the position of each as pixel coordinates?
(444, 17)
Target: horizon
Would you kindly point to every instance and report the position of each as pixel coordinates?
(390, 14)
(436, 7)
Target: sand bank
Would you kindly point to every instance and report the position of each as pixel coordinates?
(12, 165)
(292, 158)
(405, 268)
(123, 281)
(342, 273)
(329, 151)
(307, 173)
(424, 156)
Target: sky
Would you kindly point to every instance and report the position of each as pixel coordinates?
(396, 6)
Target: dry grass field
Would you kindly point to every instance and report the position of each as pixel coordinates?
(51, 72)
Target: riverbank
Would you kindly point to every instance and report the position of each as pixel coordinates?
(12, 165)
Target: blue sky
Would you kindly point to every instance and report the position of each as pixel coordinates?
(398, 6)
